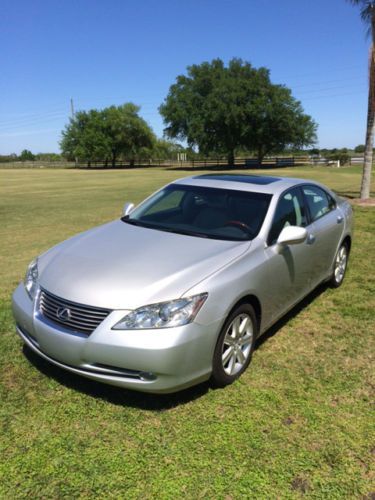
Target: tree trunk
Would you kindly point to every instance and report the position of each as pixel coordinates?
(367, 165)
(260, 157)
(231, 158)
(132, 162)
(113, 159)
(89, 163)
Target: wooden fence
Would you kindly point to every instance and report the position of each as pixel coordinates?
(240, 162)
(206, 162)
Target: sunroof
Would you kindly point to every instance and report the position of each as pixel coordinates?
(249, 179)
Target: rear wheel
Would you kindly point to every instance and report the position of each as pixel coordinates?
(235, 346)
(339, 269)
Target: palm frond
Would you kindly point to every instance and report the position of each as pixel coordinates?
(367, 13)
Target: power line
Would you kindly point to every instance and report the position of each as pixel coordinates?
(331, 70)
(333, 95)
(328, 82)
(28, 122)
(322, 89)
(32, 117)
(72, 107)
(33, 113)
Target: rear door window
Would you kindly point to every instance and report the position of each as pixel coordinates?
(318, 201)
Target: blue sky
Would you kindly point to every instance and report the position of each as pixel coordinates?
(103, 52)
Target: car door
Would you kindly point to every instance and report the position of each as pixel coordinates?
(289, 268)
(326, 228)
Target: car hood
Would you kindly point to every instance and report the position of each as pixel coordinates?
(121, 266)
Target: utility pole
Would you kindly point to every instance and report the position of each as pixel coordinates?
(72, 113)
(72, 107)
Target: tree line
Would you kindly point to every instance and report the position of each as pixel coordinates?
(215, 109)
(167, 150)
(27, 155)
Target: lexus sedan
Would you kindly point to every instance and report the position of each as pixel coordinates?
(178, 290)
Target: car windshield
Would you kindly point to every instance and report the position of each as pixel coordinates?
(222, 214)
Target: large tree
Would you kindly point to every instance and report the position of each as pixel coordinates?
(128, 133)
(106, 135)
(367, 9)
(220, 109)
(85, 138)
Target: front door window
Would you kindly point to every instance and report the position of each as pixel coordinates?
(290, 211)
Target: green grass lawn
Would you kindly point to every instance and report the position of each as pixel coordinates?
(299, 423)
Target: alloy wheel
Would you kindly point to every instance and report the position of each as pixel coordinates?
(340, 264)
(237, 344)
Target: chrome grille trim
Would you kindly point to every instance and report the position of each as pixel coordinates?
(83, 318)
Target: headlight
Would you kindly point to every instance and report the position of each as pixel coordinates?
(31, 279)
(163, 315)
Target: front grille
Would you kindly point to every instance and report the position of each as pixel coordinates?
(76, 317)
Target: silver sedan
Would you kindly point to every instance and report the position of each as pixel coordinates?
(177, 290)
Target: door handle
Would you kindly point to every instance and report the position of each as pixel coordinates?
(310, 239)
(339, 219)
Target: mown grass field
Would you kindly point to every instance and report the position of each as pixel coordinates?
(299, 423)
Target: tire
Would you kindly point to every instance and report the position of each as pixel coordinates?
(228, 363)
(339, 266)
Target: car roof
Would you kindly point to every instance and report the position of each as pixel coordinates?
(243, 182)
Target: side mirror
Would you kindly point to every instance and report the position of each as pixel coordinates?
(291, 235)
(128, 207)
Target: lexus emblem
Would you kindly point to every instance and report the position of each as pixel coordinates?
(63, 313)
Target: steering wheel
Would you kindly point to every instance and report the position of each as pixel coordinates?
(241, 225)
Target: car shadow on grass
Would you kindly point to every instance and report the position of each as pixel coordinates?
(112, 394)
(145, 401)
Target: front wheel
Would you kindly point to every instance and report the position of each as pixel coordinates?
(339, 270)
(235, 346)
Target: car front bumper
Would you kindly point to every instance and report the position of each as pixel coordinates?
(159, 361)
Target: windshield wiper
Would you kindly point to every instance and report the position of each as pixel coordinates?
(186, 232)
(136, 222)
